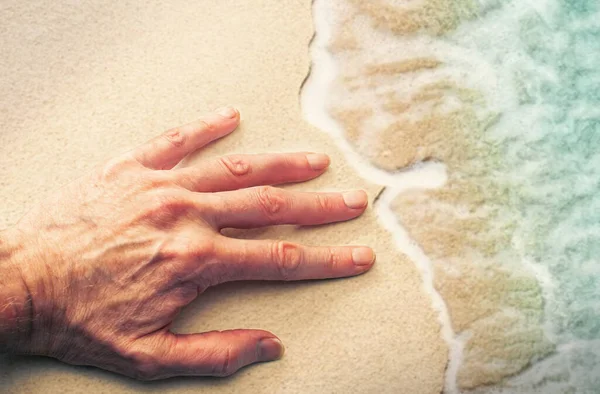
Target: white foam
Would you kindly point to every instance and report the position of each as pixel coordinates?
(496, 55)
(416, 254)
(424, 175)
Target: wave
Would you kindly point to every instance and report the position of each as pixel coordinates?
(503, 94)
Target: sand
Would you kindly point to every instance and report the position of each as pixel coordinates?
(83, 81)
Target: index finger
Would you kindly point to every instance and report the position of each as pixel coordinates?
(167, 150)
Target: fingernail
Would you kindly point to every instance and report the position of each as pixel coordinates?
(317, 161)
(356, 199)
(363, 256)
(227, 112)
(270, 349)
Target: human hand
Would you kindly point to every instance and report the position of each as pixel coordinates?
(108, 262)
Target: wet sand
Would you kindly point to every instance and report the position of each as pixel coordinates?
(404, 97)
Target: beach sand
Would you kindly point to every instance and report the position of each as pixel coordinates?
(83, 81)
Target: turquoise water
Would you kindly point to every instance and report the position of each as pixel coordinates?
(556, 170)
(537, 63)
(549, 135)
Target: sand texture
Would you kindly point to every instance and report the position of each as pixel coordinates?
(85, 80)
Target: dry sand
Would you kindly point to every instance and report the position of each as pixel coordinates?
(84, 80)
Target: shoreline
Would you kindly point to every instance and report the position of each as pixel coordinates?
(531, 279)
(425, 176)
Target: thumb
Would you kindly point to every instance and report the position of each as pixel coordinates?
(216, 353)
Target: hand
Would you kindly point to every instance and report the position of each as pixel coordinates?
(109, 261)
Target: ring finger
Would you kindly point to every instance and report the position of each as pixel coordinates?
(280, 260)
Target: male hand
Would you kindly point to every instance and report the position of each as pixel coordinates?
(106, 264)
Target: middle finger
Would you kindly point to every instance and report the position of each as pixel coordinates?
(266, 206)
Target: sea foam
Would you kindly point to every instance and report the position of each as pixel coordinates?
(490, 111)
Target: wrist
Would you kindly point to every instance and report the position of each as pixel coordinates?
(16, 308)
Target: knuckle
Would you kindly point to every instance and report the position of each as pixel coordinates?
(189, 260)
(225, 366)
(156, 180)
(165, 203)
(236, 165)
(205, 127)
(325, 203)
(166, 206)
(332, 260)
(175, 137)
(271, 200)
(287, 257)
(112, 169)
(198, 250)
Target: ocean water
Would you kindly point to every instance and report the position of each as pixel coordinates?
(482, 118)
